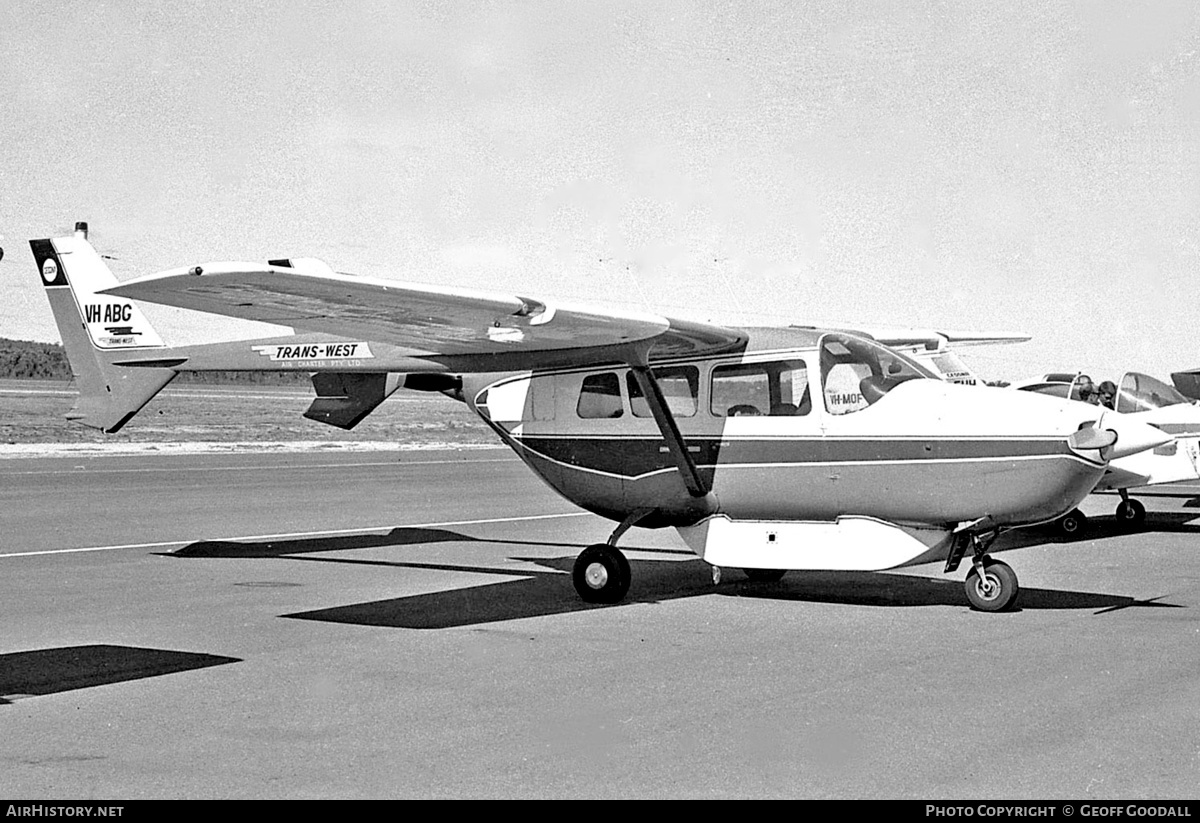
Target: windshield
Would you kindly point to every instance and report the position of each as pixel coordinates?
(1140, 392)
(856, 372)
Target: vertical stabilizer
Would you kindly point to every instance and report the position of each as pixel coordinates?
(97, 329)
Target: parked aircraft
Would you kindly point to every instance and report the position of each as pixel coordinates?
(937, 349)
(768, 449)
(1187, 382)
(1147, 400)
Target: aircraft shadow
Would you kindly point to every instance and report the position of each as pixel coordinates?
(546, 589)
(308, 545)
(538, 594)
(1101, 527)
(49, 671)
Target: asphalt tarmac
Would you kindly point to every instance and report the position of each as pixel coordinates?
(403, 625)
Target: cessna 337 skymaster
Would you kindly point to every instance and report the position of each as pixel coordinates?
(768, 449)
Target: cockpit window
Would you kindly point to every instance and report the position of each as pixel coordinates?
(680, 386)
(776, 389)
(1140, 392)
(600, 396)
(857, 372)
(1051, 389)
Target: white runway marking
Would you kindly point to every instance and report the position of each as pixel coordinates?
(258, 467)
(294, 535)
(172, 448)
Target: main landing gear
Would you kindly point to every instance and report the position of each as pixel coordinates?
(601, 573)
(1071, 524)
(991, 584)
(1130, 514)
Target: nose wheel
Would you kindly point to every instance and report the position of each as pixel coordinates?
(601, 574)
(991, 585)
(1131, 514)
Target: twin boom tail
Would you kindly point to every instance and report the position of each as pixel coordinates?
(98, 332)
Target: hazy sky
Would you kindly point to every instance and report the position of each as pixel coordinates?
(1020, 166)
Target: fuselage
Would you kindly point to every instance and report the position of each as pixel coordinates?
(800, 425)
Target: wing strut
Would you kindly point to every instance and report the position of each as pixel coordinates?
(696, 484)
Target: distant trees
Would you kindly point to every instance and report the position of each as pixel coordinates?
(28, 360)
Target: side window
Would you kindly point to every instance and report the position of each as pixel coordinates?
(600, 396)
(680, 386)
(857, 373)
(778, 389)
(794, 397)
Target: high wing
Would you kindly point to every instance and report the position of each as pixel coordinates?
(931, 338)
(936, 349)
(462, 329)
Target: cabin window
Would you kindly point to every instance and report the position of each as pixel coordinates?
(856, 372)
(776, 389)
(600, 396)
(1140, 392)
(680, 386)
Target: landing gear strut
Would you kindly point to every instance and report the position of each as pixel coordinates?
(991, 584)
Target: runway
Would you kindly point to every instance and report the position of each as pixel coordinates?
(402, 625)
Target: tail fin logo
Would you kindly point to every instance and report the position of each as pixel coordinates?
(49, 270)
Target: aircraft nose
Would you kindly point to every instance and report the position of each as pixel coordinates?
(1133, 436)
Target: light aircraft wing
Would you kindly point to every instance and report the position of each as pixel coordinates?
(935, 349)
(470, 330)
(932, 338)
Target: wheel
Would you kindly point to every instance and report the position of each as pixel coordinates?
(765, 575)
(601, 574)
(1071, 524)
(1131, 514)
(997, 590)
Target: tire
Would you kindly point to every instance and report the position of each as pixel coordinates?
(601, 574)
(765, 575)
(1131, 514)
(1072, 523)
(997, 592)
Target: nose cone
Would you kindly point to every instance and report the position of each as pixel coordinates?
(1132, 436)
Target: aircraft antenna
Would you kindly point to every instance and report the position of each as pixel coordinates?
(733, 295)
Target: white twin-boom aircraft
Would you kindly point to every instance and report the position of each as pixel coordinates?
(768, 449)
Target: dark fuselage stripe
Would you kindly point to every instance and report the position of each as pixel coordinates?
(634, 457)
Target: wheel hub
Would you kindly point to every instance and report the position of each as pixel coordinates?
(596, 575)
(988, 586)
